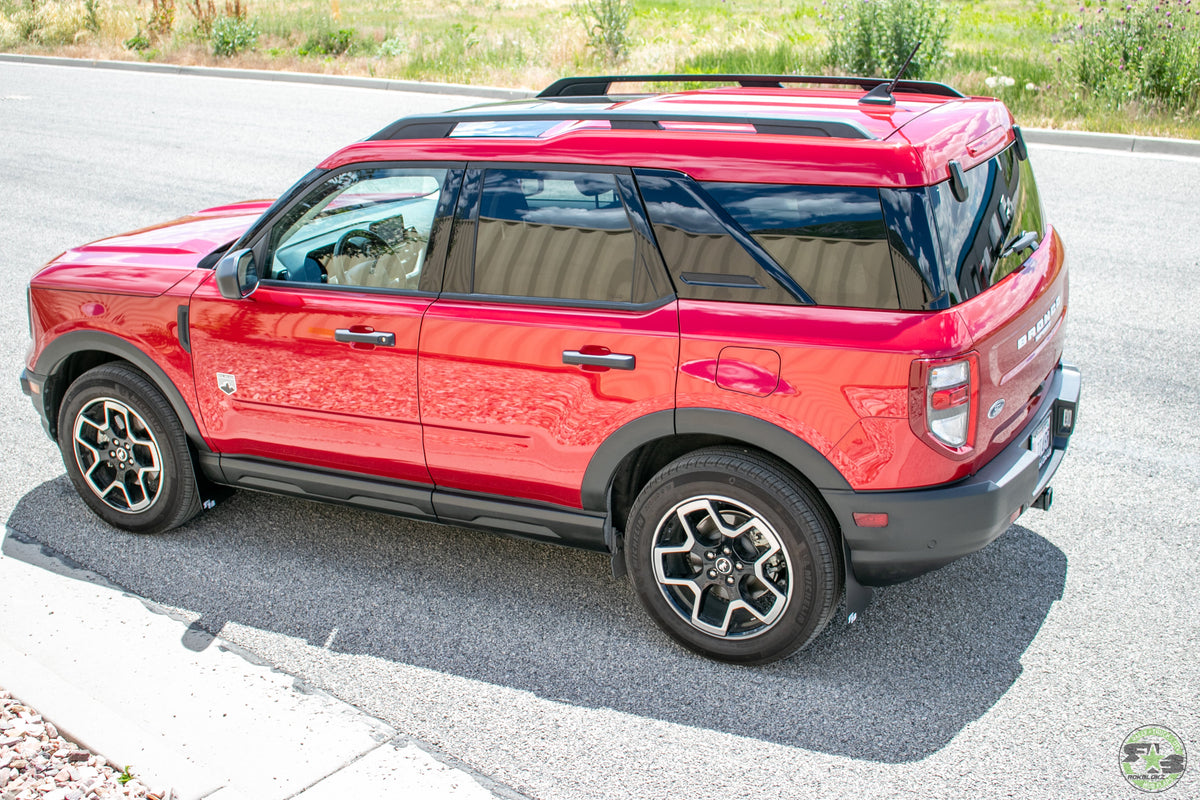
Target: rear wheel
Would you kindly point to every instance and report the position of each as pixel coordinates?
(125, 451)
(733, 556)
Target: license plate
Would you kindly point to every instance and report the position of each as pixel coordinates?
(1039, 442)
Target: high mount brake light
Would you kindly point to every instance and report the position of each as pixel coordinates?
(943, 396)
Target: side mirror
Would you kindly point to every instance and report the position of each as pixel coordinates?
(237, 277)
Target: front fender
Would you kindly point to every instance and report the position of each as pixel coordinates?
(52, 359)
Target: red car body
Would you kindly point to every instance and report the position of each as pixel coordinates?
(472, 417)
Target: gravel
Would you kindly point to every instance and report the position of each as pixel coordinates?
(37, 761)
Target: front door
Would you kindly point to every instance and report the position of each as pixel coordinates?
(319, 365)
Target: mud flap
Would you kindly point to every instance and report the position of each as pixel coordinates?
(858, 597)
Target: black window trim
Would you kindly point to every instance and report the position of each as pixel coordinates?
(467, 213)
(258, 238)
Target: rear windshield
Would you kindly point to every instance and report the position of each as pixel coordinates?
(979, 241)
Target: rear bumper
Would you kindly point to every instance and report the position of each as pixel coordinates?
(929, 528)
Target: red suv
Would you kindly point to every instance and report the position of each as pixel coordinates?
(762, 342)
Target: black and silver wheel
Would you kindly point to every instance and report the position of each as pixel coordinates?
(126, 452)
(733, 556)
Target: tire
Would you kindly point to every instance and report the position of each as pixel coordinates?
(126, 452)
(734, 556)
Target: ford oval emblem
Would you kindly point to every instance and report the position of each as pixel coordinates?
(996, 408)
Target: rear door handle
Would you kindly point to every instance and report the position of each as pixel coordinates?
(610, 360)
(367, 336)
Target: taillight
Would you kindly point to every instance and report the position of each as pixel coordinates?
(943, 396)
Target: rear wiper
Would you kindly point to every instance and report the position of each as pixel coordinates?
(1025, 240)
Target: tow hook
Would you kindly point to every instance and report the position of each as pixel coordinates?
(1045, 499)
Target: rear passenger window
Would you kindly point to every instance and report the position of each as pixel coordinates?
(553, 234)
(830, 239)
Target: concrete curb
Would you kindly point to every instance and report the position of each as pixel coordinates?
(350, 81)
(1114, 141)
(1102, 141)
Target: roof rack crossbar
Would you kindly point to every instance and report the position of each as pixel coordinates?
(440, 126)
(600, 86)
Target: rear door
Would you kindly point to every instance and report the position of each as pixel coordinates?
(553, 331)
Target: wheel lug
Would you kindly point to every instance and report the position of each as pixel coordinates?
(729, 580)
(712, 573)
(709, 555)
(726, 550)
(739, 565)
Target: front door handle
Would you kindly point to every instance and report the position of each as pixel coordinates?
(364, 336)
(610, 360)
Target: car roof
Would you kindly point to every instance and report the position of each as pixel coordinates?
(844, 131)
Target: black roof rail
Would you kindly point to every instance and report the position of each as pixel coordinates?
(440, 126)
(599, 86)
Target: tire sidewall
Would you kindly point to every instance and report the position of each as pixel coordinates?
(121, 384)
(794, 628)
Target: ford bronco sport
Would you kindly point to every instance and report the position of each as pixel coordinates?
(769, 342)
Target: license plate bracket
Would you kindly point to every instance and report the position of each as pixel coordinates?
(1039, 441)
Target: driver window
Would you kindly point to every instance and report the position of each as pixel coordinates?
(367, 227)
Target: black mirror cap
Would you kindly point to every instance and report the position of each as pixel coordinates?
(237, 276)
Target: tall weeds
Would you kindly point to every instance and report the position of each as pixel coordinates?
(874, 37)
(1140, 52)
(607, 24)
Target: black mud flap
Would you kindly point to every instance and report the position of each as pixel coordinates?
(858, 597)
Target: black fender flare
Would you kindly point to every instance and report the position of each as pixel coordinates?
(752, 431)
(56, 353)
(766, 436)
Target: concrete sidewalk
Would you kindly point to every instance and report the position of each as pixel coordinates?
(119, 676)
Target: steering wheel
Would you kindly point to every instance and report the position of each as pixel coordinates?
(372, 241)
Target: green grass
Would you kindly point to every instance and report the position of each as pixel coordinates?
(529, 43)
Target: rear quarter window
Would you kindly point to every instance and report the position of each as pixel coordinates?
(831, 239)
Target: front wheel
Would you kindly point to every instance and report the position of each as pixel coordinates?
(733, 556)
(126, 452)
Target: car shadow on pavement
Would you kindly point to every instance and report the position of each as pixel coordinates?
(927, 658)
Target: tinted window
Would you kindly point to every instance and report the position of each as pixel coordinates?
(976, 234)
(368, 227)
(703, 257)
(553, 234)
(913, 242)
(830, 239)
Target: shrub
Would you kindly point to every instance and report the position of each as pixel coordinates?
(1140, 52)
(205, 14)
(393, 46)
(874, 37)
(329, 43)
(42, 23)
(233, 35)
(607, 24)
(138, 42)
(162, 17)
(91, 15)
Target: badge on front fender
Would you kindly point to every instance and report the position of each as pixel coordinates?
(226, 382)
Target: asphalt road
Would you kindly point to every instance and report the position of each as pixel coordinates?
(1016, 672)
